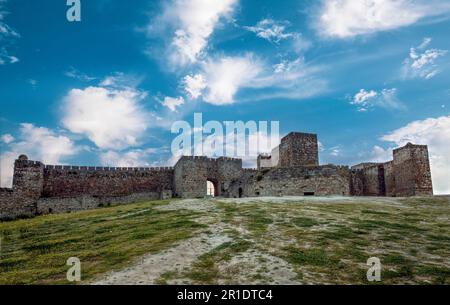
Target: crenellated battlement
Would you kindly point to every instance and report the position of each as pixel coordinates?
(209, 159)
(106, 169)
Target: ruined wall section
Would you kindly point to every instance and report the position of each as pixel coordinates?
(368, 179)
(244, 185)
(299, 149)
(296, 181)
(74, 181)
(389, 179)
(41, 189)
(228, 170)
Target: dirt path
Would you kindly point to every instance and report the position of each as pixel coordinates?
(176, 260)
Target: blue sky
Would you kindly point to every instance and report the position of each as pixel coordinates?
(366, 76)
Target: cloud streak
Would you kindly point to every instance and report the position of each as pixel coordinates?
(365, 100)
(422, 63)
(190, 24)
(350, 18)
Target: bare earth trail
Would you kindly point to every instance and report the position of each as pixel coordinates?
(176, 260)
(299, 240)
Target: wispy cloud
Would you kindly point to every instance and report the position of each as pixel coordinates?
(422, 62)
(224, 77)
(271, 30)
(277, 31)
(6, 58)
(350, 18)
(7, 35)
(172, 103)
(76, 74)
(365, 100)
(189, 25)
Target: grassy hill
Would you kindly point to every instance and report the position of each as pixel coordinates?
(235, 241)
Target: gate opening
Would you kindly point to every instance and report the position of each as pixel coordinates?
(210, 189)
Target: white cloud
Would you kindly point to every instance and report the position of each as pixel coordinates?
(386, 98)
(422, 64)
(39, 143)
(225, 76)
(191, 22)
(349, 18)
(133, 158)
(275, 32)
(362, 96)
(7, 138)
(434, 132)
(379, 154)
(194, 85)
(172, 103)
(111, 118)
(271, 30)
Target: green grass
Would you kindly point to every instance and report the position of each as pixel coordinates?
(330, 242)
(35, 251)
(309, 257)
(304, 222)
(325, 242)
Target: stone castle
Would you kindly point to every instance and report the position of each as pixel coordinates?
(292, 169)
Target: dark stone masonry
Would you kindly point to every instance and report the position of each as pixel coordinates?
(292, 169)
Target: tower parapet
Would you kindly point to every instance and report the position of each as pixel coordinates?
(299, 149)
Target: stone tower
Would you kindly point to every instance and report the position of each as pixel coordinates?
(299, 149)
(28, 179)
(412, 171)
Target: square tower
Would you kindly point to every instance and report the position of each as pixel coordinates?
(412, 171)
(299, 149)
